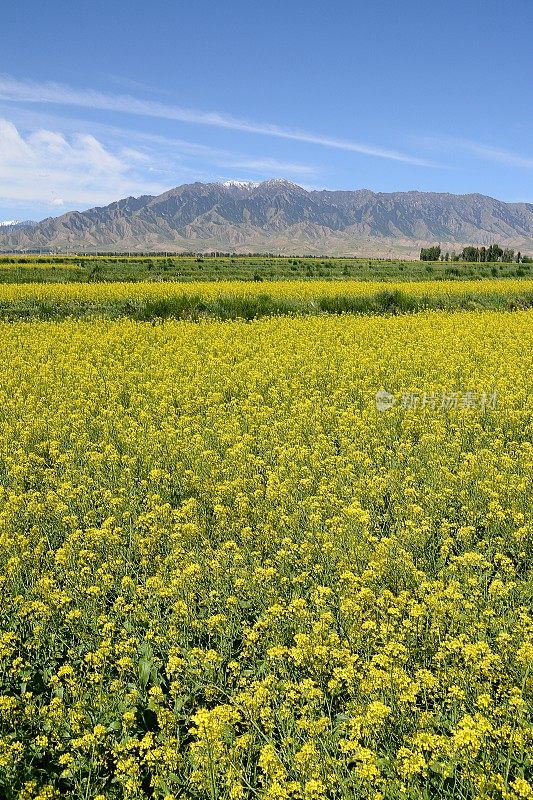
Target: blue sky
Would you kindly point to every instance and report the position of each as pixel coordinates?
(101, 100)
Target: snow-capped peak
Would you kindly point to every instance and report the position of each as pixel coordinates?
(8, 222)
(241, 184)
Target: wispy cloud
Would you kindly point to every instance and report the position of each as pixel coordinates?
(48, 168)
(162, 153)
(485, 152)
(269, 166)
(12, 89)
(259, 165)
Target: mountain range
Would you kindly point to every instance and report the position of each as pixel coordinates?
(277, 216)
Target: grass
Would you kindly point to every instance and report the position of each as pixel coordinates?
(27, 268)
(194, 307)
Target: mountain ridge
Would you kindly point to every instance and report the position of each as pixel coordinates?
(282, 217)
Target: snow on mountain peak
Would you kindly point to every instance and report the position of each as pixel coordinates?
(241, 184)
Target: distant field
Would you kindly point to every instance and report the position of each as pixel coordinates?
(27, 268)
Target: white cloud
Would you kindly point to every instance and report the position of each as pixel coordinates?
(99, 163)
(132, 154)
(47, 168)
(50, 169)
(485, 152)
(12, 89)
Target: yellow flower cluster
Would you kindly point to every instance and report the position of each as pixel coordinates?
(225, 574)
(294, 290)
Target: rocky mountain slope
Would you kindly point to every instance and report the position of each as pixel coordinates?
(281, 217)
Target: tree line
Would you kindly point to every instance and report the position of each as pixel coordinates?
(482, 254)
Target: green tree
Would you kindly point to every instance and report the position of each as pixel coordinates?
(430, 253)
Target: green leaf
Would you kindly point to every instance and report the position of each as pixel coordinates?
(145, 668)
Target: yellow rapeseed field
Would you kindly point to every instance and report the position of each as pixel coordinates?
(226, 574)
(152, 290)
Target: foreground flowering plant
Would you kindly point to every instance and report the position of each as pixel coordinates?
(225, 574)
